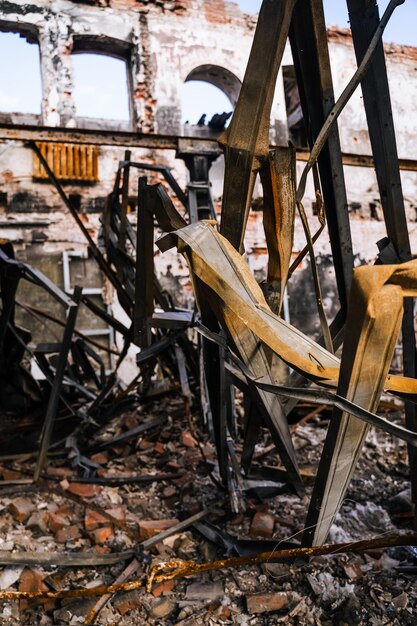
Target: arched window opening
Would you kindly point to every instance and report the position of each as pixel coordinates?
(209, 96)
(101, 88)
(20, 76)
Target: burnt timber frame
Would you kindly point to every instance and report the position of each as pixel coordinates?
(308, 33)
(364, 19)
(308, 38)
(56, 134)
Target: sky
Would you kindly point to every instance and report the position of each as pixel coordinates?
(107, 76)
(402, 27)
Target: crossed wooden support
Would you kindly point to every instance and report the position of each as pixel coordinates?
(222, 278)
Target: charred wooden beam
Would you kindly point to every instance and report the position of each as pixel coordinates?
(246, 140)
(364, 20)
(308, 37)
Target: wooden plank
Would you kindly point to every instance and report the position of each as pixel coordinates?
(246, 140)
(364, 367)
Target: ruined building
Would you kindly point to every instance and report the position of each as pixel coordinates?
(141, 381)
(163, 44)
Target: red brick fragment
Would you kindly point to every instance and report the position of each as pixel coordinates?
(10, 475)
(66, 510)
(60, 472)
(84, 490)
(100, 457)
(262, 525)
(145, 444)
(32, 580)
(57, 522)
(150, 528)
(93, 520)
(68, 533)
(21, 508)
(159, 448)
(188, 440)
(118, 513)
(163, 588)
(173, 466)
(102, 534)
(127, 602)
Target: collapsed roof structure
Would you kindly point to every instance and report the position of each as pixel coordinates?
(235, 337)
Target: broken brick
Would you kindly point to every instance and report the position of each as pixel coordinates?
(93, 520)
(163, 588)
(29, 581)
(66, 510)
(188, 440)
(265, 602)
(262, 525)
(224, 612)
(57, 522)
(21, 508)
(84, 490)
(68, 533)
(127, 602)
(353, 570)
(150, 528)
(60, 472)
(118, 513)
(159, 448)
(100, 457)
(144, 444)
(101, 535)
(10, 475)
(173, 466)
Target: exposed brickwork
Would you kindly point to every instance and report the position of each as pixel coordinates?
(165, 42)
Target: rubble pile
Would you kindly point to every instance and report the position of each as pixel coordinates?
(62, 517)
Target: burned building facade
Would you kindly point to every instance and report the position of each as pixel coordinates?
(164, 44)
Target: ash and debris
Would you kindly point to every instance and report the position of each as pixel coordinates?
(371, 589)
